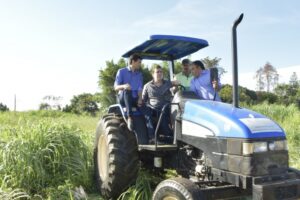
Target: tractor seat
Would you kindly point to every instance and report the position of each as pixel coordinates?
(118, 109)
(135, 111)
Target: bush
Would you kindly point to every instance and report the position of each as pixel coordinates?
(245, 95)
(268, 97)
(83, 104)
(3, 108)
(288, 117)
(45, 155)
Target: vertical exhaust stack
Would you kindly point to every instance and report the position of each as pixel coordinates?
(235, 84)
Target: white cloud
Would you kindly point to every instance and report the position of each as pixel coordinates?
(187, 17)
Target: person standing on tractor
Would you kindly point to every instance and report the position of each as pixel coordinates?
(202, 84)
(185, 77)
(156, 94)
(129, 84)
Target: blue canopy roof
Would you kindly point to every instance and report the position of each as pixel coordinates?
(167, 47)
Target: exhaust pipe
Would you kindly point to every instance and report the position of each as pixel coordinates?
(235, 92)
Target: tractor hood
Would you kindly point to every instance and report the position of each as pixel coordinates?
(218, 119)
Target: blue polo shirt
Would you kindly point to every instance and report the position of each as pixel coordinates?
(203, 88)
(133, 78)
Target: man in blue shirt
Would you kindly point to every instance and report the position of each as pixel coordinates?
(202, 84)
(129, 84)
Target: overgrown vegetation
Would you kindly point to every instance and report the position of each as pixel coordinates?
(48, 154)
(3, 107)
(45, 155)
(287, 117)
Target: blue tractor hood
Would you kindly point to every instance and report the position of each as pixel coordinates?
(223, 120)
(167, 47)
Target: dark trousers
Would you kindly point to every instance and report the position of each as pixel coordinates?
(149, 112)
(126, 99)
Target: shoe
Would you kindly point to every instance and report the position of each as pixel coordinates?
(166, 139)
(130, 124)
(152, 141)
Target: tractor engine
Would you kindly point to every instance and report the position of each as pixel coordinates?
(192, 163)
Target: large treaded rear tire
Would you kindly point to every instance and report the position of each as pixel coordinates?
(115, 157)
(177, 189)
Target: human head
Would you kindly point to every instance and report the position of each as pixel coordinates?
(157, 72)
(197, 67)
(186, 63)
(135, 61)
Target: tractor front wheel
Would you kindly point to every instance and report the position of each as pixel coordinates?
(177, 189)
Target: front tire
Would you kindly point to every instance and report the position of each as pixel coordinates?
(115, 157)
(177, 189)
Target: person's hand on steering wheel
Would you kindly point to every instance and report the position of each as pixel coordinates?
(181, 87)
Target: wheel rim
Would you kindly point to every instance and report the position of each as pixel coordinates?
(102, 158)
(170, 198)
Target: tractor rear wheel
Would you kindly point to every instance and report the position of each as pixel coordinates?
(115, 156)
(177, 189)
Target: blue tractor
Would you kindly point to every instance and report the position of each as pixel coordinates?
(218, 149)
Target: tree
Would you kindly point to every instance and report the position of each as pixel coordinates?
(165, 66)
(83, 103)
(269, 97)
(267, 77)
(294, 80)
(51, 102)
(211, 63)
(106, 82)
(44, 106)
(260, 85)
(288, 93)
(245, 95)
(107, 79)
(3, 108)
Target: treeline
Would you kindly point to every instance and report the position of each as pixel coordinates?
(284, 94)
(266, 78)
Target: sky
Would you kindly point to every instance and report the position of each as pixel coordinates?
(57, 47)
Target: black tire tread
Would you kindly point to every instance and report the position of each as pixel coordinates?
(186, 189)
(122, 156)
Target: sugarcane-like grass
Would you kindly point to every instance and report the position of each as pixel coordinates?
(48, 154)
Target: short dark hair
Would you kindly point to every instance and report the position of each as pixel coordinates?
(198, 63)
(185, 61)
(134, 57)
(155, 67)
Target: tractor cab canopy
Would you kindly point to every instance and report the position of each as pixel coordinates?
(167, 47)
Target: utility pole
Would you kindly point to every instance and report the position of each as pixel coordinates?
(15, 103)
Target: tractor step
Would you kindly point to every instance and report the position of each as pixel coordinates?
(159, 147)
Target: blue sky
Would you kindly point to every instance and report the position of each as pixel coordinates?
(57, 47)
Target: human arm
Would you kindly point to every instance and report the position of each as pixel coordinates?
(118, 85)
(145, 95)
(140, 99)
(216, 84)
(122, 87)
(140, 90)
(193, 87)
(175, 83)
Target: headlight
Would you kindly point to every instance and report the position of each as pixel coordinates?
(254, 147)
(278, 145)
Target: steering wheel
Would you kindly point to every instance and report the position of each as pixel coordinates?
(181, 87)
(178, 88)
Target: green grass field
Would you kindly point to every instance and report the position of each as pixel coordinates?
(47, 154)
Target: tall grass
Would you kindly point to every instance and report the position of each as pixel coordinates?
(288, 117)
(47, 154)
(44, 154)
